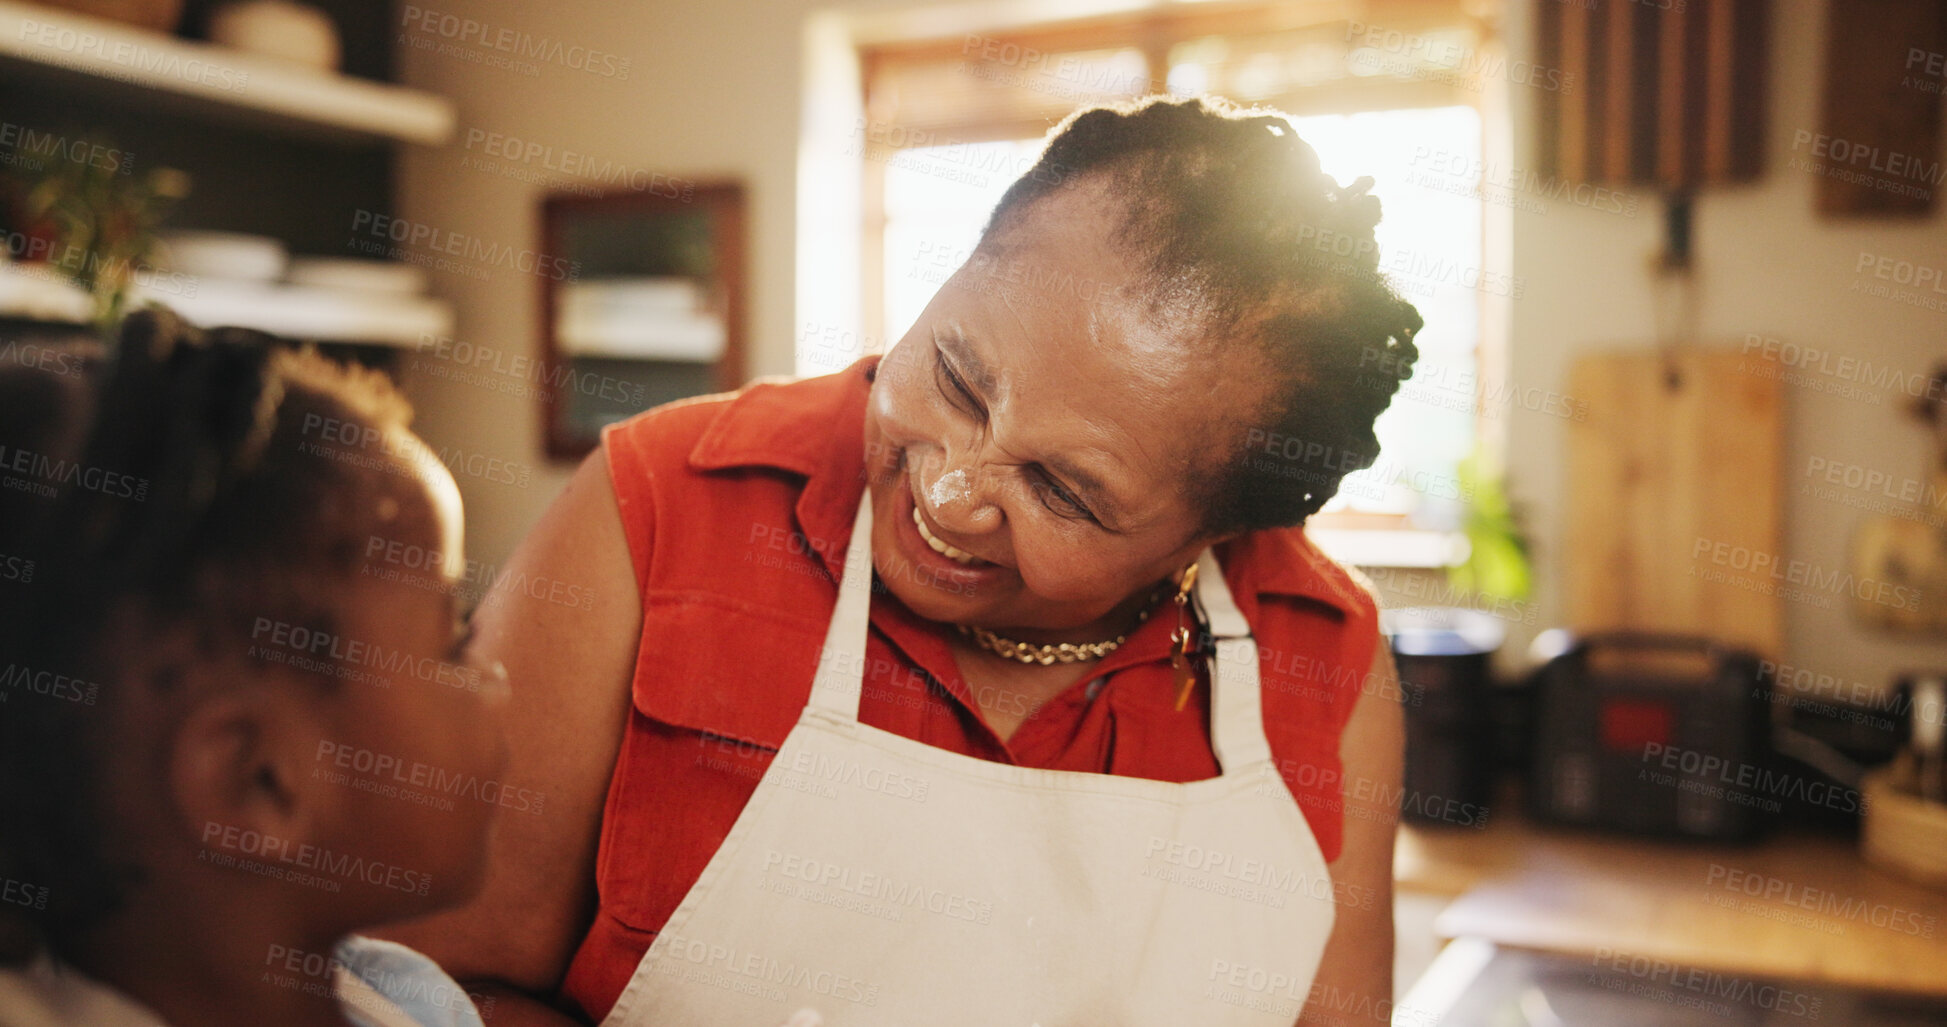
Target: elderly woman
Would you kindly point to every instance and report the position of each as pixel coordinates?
(991, 681)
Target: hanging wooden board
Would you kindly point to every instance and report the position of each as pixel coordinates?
(1674, 498)
(1878, 148)
(1671, 95)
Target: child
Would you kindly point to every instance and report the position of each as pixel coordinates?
(239, 715)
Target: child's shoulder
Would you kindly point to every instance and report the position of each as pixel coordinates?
(47, 993)
(385, 984)
(377, 983)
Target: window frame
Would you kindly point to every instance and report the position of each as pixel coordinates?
(1154, 33)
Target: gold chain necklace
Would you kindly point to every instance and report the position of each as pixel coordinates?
(1066, 652)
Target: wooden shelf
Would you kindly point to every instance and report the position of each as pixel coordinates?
(1394, 547)
(215, 81)
(291, 311)
(299, 312)
(37, 294)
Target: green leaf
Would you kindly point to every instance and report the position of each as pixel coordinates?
(1497, 565)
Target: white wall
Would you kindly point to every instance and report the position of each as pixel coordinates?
(712, 92)
(715, 89)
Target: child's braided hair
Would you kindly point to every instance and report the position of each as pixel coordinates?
(177, 484)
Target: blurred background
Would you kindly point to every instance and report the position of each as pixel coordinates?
(1659, 521)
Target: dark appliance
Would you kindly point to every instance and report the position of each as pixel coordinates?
(1654, 734)
(1443, 656)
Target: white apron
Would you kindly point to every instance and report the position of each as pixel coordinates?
(883, 881)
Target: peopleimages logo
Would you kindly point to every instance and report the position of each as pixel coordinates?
(731, 967)
(1432, 56)
(526, 45)
(1703, 986)
(54, 360)
(302, 863)
(20, 893)
(31, 148)
(578, 165)
(40, 473)
(44, 257)
(129, 58)
(424, 567)
(877, 887)
(397, 777)
(47, 683)
(1749, 781)
(314, 973)
(1876, 482)
(16, 568)
(1889, 162)
(1829, 371)
(1797, 579)
(1821, 901)
(518, 374)
(475, 251)
(310, 649)
(1468, 168)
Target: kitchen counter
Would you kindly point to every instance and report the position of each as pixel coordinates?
(1794, 906)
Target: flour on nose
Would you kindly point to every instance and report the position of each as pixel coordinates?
(951, 486)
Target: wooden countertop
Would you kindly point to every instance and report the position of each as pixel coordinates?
(1795, 906)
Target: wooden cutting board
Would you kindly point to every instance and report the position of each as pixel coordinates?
(1675, 500)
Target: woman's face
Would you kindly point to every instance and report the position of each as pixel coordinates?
(1045, 418)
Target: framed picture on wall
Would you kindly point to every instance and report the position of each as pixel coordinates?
(653, 311)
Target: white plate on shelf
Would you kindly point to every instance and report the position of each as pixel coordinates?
(386, 277)
(639, 318)
(638, 294)
(231, 256)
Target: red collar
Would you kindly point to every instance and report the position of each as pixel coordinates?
(815, 428)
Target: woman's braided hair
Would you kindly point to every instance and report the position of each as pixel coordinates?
(177, 484)
(1230, 207)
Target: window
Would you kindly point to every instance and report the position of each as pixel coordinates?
(955, 121)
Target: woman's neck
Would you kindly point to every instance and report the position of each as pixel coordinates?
(1121, 620)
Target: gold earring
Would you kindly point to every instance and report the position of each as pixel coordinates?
(1183, 639)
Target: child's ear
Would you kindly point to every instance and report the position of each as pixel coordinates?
(240, 768)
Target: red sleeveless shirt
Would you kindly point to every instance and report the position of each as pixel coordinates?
(738, 509)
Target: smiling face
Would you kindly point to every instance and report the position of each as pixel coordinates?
(1033, 443)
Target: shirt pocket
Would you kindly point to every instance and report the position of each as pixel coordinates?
(719, 684)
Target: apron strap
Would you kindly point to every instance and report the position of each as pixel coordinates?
(840, 680)
(1236, 702)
